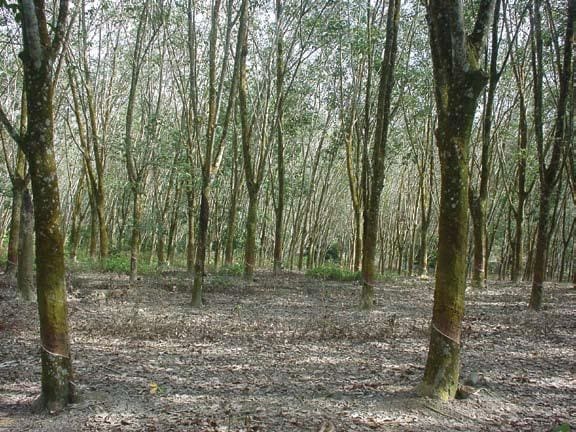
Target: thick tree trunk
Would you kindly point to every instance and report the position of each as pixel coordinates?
(458, 84)
(37, 57)
(57, 387)
(443, 363)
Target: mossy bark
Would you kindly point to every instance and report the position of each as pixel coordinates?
(443, 368)
(57, 388)
(368, 254)
(38, 55)
(458, 84)
(250, 246)
(373, 192)
(549, 173)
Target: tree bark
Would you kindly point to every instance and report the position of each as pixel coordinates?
(26, 250)
(458, 83)
(38, 58)
(550, 174)
(18, 186)
(372, 204)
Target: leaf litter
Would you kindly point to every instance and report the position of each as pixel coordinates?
(290, 353)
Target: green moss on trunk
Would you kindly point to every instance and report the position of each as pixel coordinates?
(442, 367)
(250, 247)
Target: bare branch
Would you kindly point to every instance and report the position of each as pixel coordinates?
(10, 127)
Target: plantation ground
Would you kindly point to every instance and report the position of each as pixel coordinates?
(289, 353)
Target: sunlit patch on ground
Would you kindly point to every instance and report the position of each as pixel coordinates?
(290, 353)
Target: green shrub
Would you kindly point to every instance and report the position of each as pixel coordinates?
(116, 264)
(333, 272)
(231, 270)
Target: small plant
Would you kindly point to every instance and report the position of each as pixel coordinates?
(333, 272)
(231, 270)
(116, 264)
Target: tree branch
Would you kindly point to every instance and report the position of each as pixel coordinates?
(9, 127)
(483, 20)
(61, 30)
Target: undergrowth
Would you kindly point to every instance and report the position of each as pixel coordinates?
(336, 273)
(333, 272)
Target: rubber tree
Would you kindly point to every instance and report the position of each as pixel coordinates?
(93, 104)
(458, 83)
(255, 157)
(375, 172)
(214, 145)
(279, 203)
(478, 196)
(549, 173)
(521, 190)
(41, 46)
(25, 275)
(18, 179)
(137, 168)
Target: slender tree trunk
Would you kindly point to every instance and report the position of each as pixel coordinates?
(76, 221)
(136, 235)
(201, 241)
(190, 244)
(26, 250)
(250, 246)
(549, 175)
(233, 208)
(520, 191)
(372, 204)
(18, 188)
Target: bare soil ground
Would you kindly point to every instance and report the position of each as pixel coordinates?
(289, 353)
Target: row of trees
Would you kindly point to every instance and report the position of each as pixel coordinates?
(311, 125)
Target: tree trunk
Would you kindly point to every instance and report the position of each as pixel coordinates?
(550, 174)
(76, 221)
(279, 207)
(190, 244)
(478, 216)
(250, 246)
(26, 250)
(372, 203)
(136, 235)
(458, 84)
(15, 227)
(201, 241)
(233, 208)
(38, 57)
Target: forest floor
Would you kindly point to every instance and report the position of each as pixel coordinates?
(289, 353)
